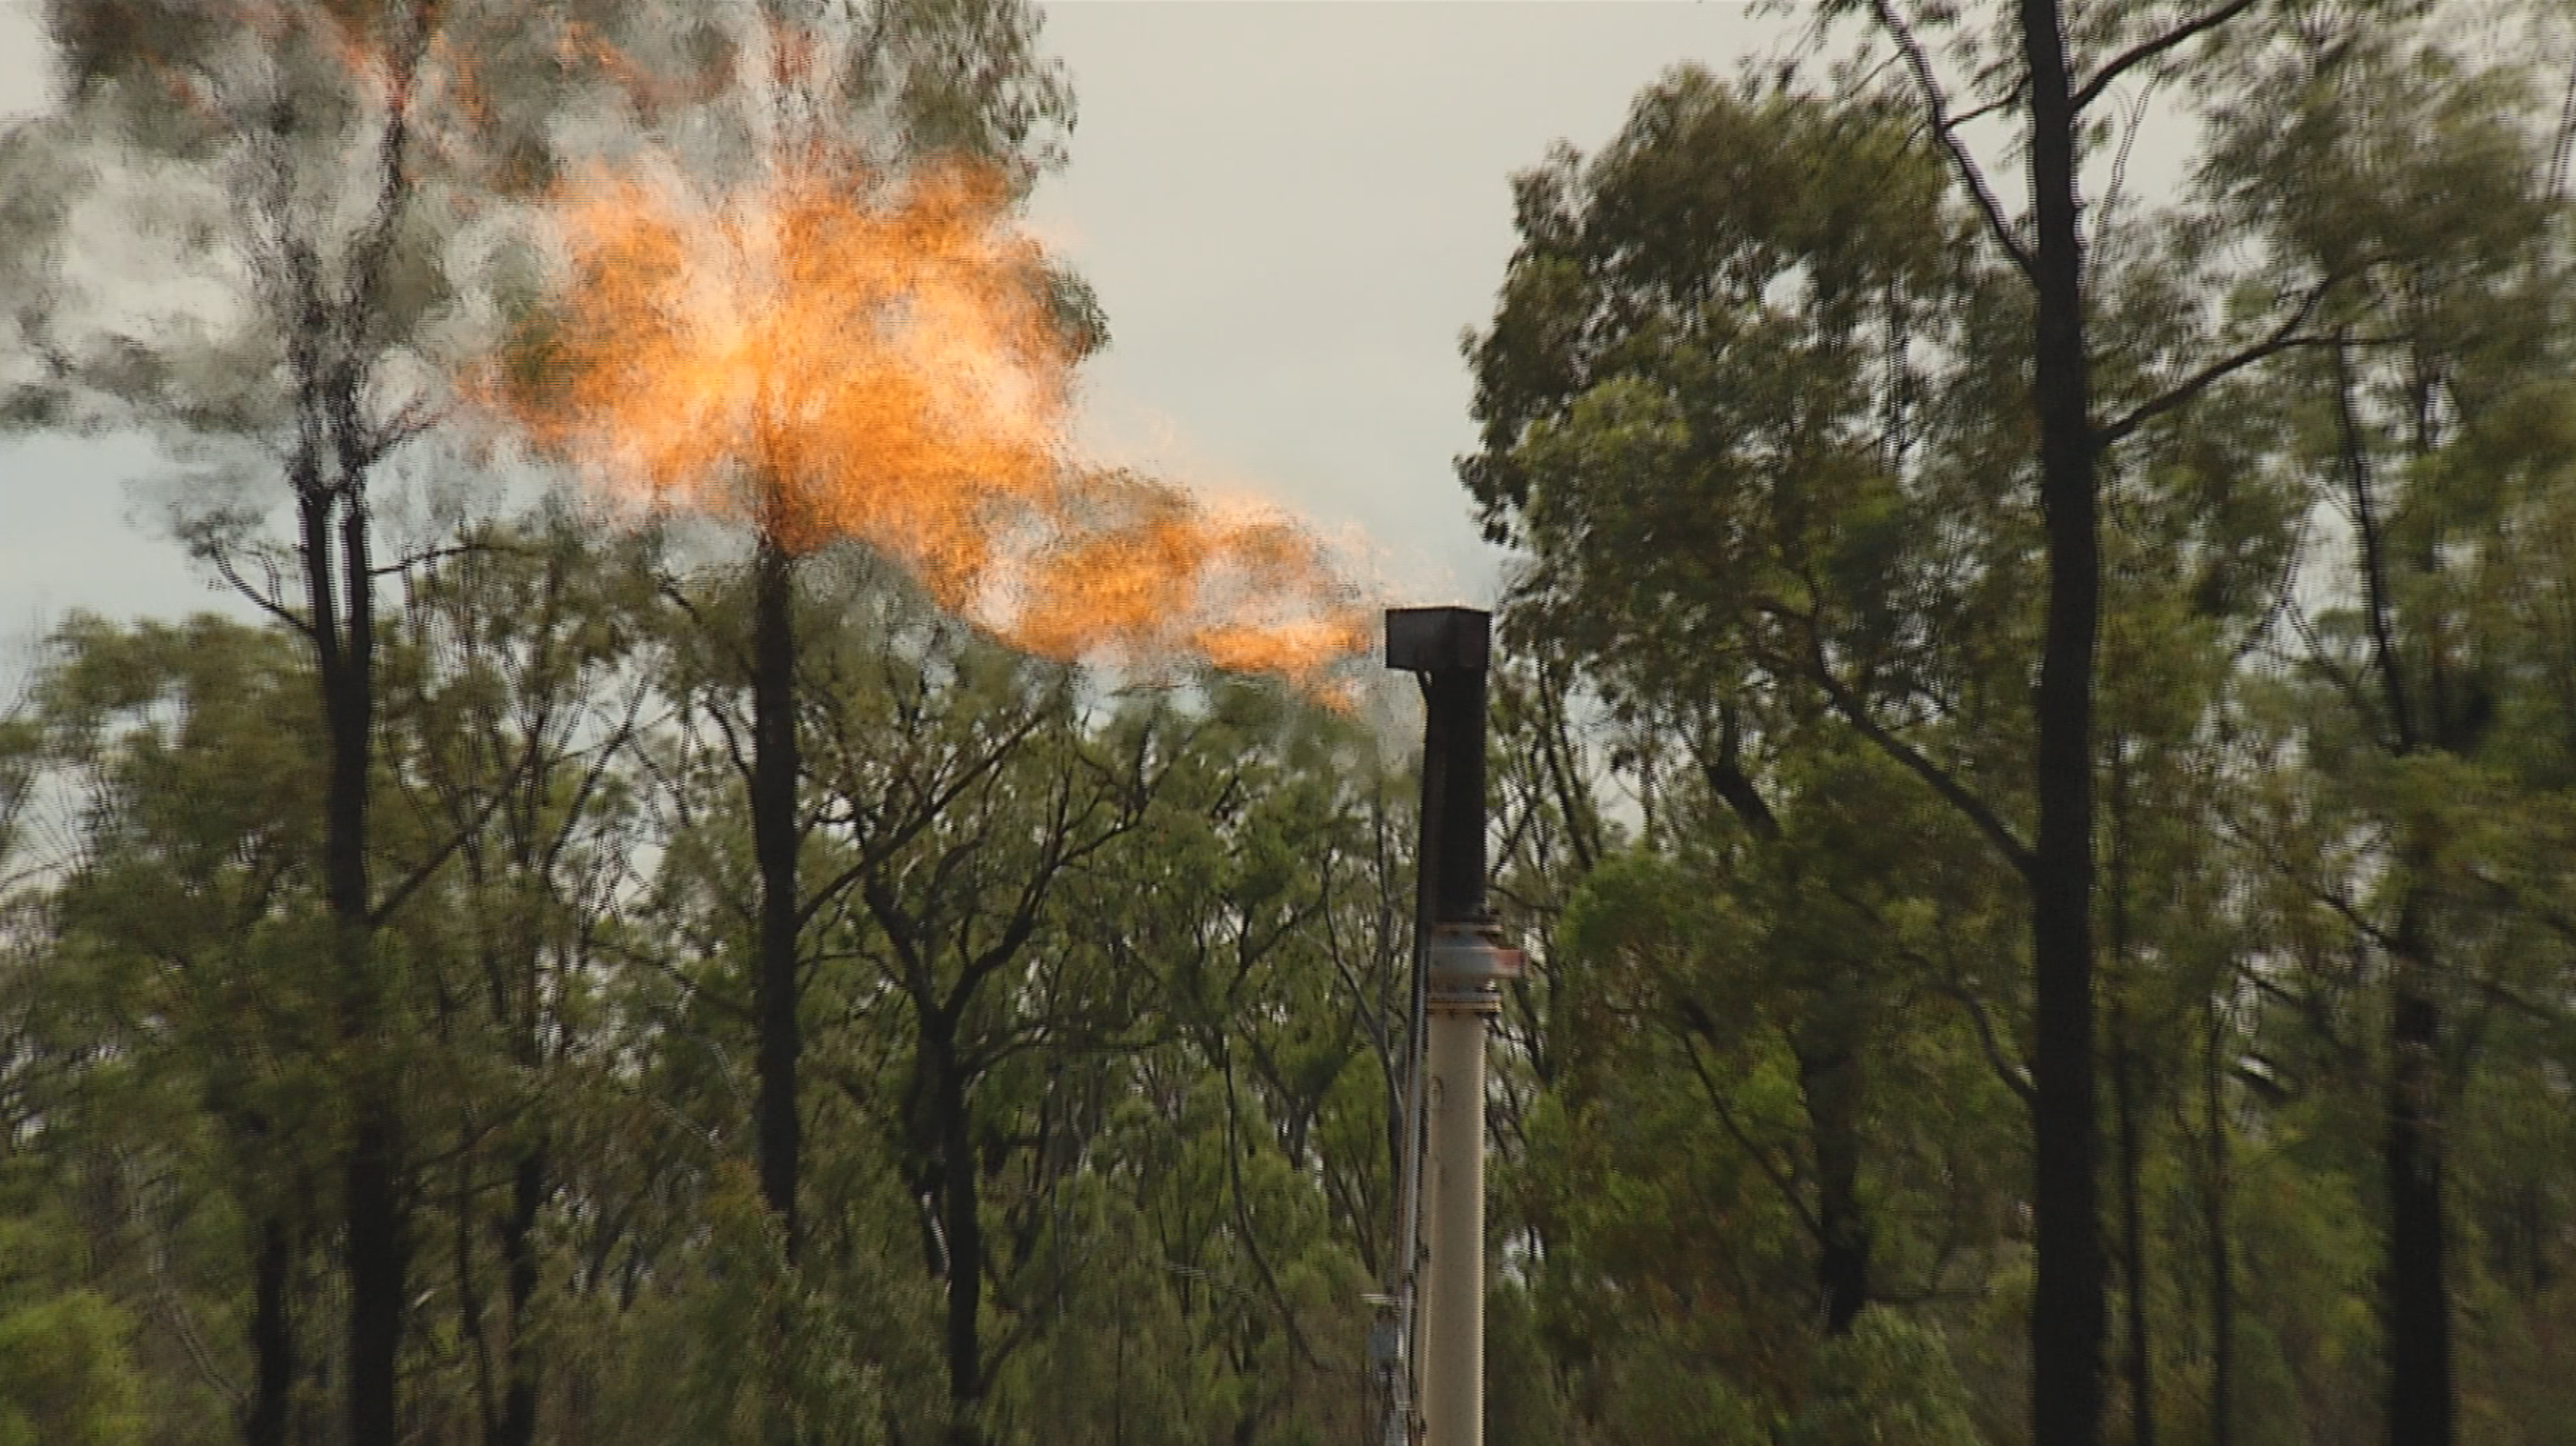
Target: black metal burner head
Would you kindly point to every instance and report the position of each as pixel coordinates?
(1449, 648)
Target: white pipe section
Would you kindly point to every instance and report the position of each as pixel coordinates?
(1453, 1327)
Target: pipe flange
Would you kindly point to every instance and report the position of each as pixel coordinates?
(1466, 965)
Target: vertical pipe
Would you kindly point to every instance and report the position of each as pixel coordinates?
(1455, 970)
(1454, 734)
(1453, 1360)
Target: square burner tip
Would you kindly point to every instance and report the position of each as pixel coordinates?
(1438, 640)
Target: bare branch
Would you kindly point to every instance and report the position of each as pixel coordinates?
(2285, 337)
(874, 855)
(2288, 871)
(428, 867)
(2006, 1068)
(2128, 143)
(1996, 106)
(2562, 138)
(1952, 791)
(1781, 1180)
(2322, 659)
(1946, 131)
(173, 1310)
(1244, 1226)
(2374, 559)
(2148, 50)
(264, 601)
(422, 559)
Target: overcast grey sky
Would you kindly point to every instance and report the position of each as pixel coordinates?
(1289, 208)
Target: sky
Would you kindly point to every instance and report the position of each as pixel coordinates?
(1290, 210)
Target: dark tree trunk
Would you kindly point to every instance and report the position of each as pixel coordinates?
(2066, 1318)
(2418, 1306)
(2414, 1295)
(343, 622)
(963, 1226)
(2133, 1239)
(378, 1263)
(774, 839)
(528, 1190)
(1830, 1078)
(2418, 1288)
(272, 1337)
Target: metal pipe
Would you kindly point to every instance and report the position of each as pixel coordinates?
(1453, 1348)
(1453, 728)
(1458, 969)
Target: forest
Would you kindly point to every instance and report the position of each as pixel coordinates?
(2032, 756)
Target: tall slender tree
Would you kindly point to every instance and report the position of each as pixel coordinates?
(315, 146)
(2455, 240)
(844, 100)
(1607, 358)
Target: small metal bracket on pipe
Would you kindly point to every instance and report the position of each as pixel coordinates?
(1467, 965)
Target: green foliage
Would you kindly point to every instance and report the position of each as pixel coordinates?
(1887, 1380)
(68, 1371)
(66, 1374)
(747, 1347)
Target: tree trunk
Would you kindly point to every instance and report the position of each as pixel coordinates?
(518, 1425)
(1830, 1078)
(774, 839)
(2414, 1296)
(2066, 1318)
(2125, 1107)
(343, 622)
(272, 1337)
(2418, 1306)
(960, 1221)
(378, 1263)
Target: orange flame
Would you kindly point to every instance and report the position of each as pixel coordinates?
(838, 353)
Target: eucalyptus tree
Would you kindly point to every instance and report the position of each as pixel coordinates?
(1554, 829)
(794, 121)
(21, 926)
(1766, 561)
(1236, 903)
(292, 181)
(2430, 433)
(322, 196)
(194, 1006)
(1760, 399)
(516, 684)
(183, 939)
(958, 789)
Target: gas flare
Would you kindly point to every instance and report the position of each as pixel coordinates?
(836, 351)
